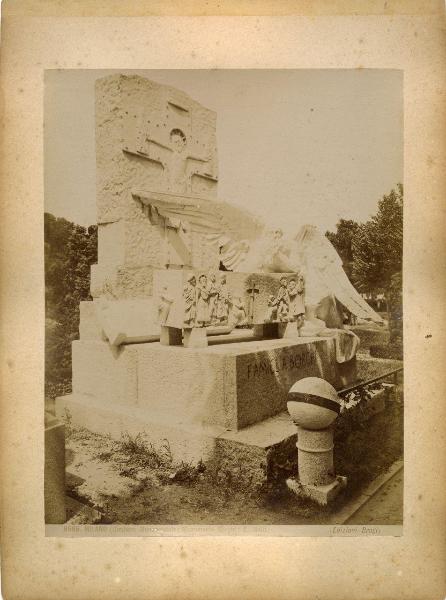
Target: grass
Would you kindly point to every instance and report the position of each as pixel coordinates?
(169, 492)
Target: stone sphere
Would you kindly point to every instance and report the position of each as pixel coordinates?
(313, 403)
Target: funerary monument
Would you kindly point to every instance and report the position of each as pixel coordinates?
(173, 346)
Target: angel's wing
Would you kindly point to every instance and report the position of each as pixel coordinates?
(191, 214)
(324, 263)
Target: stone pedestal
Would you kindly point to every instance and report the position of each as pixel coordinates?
(194, 398)
(315, 456)
(55, 511)
(321, 494)
(314, 406)
(195, 338)
(315, 463)
(170, 336)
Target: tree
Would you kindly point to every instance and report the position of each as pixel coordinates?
(69, 251)
(378, 246)
(342, 240)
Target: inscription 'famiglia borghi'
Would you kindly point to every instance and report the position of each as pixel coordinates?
(286, 362)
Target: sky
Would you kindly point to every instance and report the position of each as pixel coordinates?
(294, 146)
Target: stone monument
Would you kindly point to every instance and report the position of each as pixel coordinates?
(314, 406)
(219, 399)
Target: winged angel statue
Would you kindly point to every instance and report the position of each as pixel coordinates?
(327, 287)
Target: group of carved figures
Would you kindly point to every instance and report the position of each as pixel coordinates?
(209, 302)
(288, 304)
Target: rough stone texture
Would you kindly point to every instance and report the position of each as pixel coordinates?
(135, 150)
(229, 385)
(55, 511)
(252, 456)
(187, 443)
(128, 321)
(134, 118)
(102, 371)
(89, 326)
(265, 376)
(131, 244)
(321, 494)
(315, 456)
(121, 283)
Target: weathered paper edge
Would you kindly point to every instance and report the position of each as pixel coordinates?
(36, 567)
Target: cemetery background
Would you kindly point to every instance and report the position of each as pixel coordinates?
(194, 494)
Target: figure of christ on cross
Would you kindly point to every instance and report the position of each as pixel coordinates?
(178, 164)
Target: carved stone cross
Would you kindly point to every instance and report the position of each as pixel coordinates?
(169, 142)
(252, 291)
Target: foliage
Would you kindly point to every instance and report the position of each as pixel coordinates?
(342, 240)
(378, 245)
(390, 351)
(69, 251)
(367, 448)
(372, 254)
(395, 301)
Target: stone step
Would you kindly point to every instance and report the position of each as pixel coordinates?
(259, 453)
(252, 455)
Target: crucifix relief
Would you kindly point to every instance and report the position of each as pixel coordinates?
(184, 151)
(169, 141)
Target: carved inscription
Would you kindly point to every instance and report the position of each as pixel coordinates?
(286, 362)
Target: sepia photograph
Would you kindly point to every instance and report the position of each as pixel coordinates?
(223, 307)
(223, 301)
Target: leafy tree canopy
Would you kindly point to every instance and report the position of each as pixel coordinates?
(378, 245)
(69, 251)
(342, 240)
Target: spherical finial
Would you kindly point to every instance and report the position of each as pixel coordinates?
(313, 403)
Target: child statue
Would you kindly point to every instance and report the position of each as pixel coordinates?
(190, 301)
(203, 316)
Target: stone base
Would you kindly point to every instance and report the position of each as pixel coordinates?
(230, 383)
(171, 336)
(55, 510)
(249, 455)
(195, 338)
(321, 494)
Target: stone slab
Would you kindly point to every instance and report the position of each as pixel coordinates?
(55, 510)
(128, 321)
(135, 118)
(104, 371)
(250, 455)
(230, 383)
(121, 282)
(131, 321)
(187, 442)
(321, 494)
